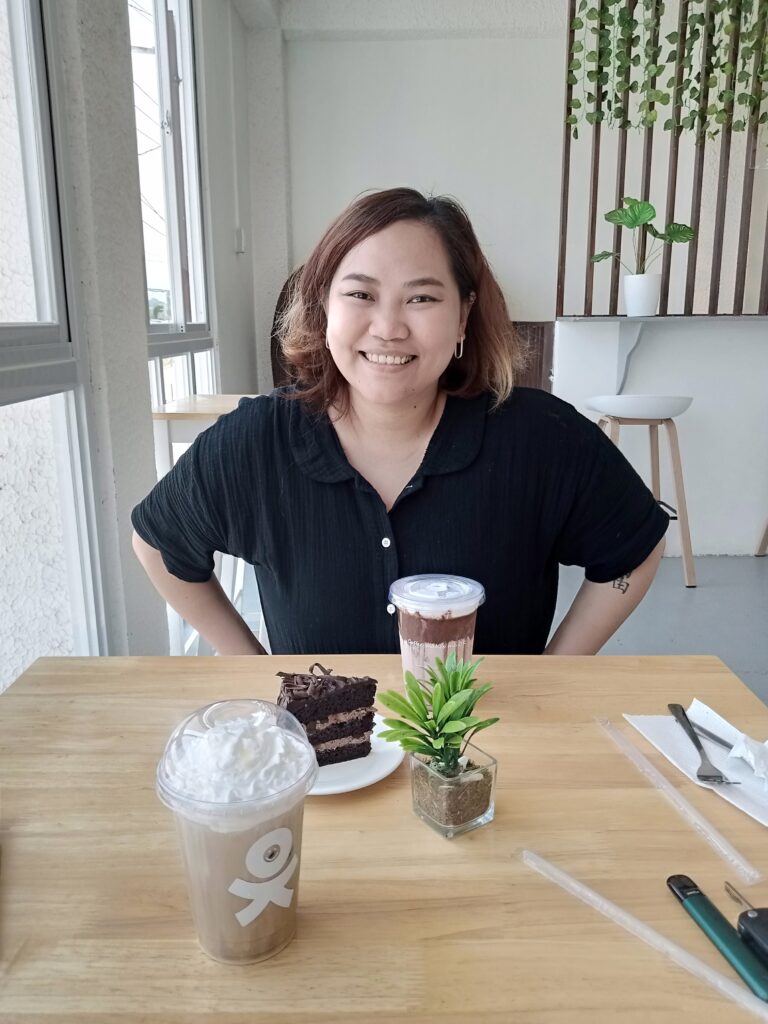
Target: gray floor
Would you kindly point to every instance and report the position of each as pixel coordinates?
(726, 615)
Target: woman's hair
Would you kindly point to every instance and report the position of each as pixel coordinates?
(493, 353)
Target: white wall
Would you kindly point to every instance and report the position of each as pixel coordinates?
(724, 434)
(221, 48)
(478, 118)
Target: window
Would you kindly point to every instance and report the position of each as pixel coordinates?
(167, 147)
(47, 585)
(35, 354)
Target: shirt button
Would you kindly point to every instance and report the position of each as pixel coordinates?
(390, 609)
(385, 542)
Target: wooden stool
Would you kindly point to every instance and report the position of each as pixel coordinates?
(653, 411)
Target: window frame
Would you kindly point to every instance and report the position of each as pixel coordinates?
(183, 184)
(37, 358)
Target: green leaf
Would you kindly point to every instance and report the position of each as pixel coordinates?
(635, 215)
(655, 233)
(398, 726)
(418, 748)
(629, 201)
(456, 703)
(600, 256)
(486, 724)
(576, 24)
(396, 702)
(437, 699)
(457, 726)
(416, 695)
(679, 233)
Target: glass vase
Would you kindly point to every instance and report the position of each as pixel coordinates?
(452, 805)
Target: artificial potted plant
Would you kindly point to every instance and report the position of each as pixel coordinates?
(641, 286)
(452, 781)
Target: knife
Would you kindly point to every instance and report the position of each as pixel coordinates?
(712, 736)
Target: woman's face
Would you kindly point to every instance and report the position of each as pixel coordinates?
(395, 314)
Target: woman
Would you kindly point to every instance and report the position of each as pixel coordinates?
(402, 448)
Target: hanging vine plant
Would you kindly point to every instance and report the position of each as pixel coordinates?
(619, 74)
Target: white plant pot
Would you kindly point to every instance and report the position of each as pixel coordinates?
(641, 294)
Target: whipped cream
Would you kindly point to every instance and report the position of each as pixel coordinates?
(247, 758)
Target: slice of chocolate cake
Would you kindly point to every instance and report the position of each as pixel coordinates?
(336, 711)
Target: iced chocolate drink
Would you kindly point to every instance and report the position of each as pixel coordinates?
(235, 774)
(436, 615)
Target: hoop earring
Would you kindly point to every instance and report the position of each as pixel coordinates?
(327, 343)
(459, 348)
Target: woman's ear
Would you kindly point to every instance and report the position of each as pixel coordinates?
(466, 308)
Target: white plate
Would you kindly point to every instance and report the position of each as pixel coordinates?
(363, 771)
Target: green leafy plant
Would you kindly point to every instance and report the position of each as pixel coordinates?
(636, 216)
(437, 719)
(710, 74)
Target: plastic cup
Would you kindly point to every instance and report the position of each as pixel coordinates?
(436, 615)
(242, 857)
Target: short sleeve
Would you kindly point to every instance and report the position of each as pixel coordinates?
(614, 521)
(185, 515)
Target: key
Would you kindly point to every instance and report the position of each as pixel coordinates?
(752, 924)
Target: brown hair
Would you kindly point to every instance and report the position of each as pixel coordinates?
(493, 353)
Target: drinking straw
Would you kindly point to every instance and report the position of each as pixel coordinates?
(725, 986)
(716, 839)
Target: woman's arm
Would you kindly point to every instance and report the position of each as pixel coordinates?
(205, 606)
(600, 608)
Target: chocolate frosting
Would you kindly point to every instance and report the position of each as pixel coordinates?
(421, 630)
(305, 686)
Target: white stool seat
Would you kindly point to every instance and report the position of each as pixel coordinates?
(640, 407)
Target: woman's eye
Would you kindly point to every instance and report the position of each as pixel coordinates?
(422, 298)
(358, 295)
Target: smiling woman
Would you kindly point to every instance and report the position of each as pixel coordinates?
(403, 447)
(408, 252)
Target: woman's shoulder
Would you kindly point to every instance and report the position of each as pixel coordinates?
(535, 404)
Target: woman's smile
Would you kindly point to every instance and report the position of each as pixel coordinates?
(387, 358)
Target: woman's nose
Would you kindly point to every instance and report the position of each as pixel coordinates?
(388, 323)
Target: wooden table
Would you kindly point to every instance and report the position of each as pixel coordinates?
(395, 923)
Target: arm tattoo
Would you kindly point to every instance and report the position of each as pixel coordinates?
(622, 583)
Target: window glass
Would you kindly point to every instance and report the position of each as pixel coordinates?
(43, 584)
(167, 147)
(150, 129)
(26, 292)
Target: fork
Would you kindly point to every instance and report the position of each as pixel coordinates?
(706, 771)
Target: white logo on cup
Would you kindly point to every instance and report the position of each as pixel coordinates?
(267, 856)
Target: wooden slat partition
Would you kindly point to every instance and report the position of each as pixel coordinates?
(645, 186)
(621, 171)
(698, 172)
(674, 152)
(748, 183)
(722, 173)
(719, 248)
(594, 181)
(564, 192)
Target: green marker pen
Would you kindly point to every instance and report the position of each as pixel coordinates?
(721, 933)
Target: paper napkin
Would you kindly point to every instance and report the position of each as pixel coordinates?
(669, 738)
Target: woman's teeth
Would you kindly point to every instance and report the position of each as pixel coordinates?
(376, 357)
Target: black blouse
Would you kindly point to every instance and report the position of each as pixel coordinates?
(502, 496)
